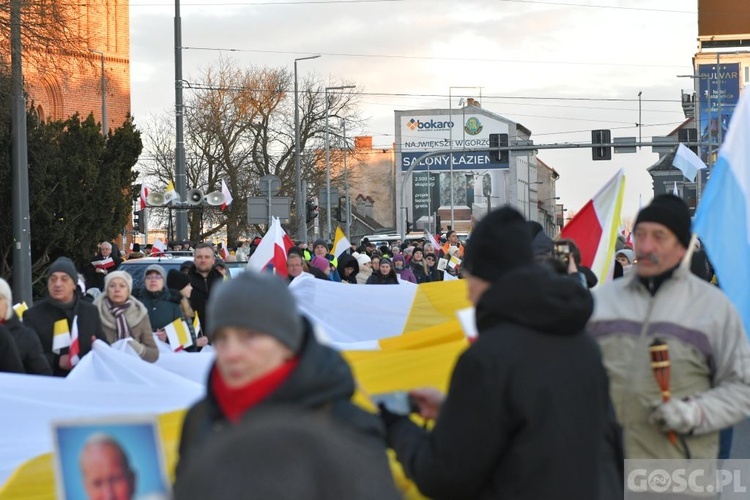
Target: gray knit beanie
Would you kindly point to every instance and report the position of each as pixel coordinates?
(260, 302)
(158, 269)
(64, 265)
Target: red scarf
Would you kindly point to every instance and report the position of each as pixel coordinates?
(234, 402)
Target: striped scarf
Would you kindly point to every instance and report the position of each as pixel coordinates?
(123, 329)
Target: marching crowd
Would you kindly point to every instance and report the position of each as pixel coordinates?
(555, 392)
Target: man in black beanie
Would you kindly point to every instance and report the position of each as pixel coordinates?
(527, 408)
(63, 307)
(698, 328)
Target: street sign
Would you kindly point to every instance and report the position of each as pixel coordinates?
(272, 181)
(322, 195)
(627, 144)
(257, 209)
(663, 144)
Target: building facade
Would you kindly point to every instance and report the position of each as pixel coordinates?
(446, 177)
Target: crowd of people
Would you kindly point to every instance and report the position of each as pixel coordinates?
(546, 403)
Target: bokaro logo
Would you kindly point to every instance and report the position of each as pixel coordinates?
(423, 126)
(473, 126)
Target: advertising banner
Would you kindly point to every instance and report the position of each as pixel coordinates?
(719, 91)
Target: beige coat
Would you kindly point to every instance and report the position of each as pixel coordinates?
(708, 350)
(140, 327)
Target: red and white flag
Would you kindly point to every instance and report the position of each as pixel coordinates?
(75, 348)
(227, 195)
(144, 196)
(431, 238)
(594, 227)
(223, 251)
(104, 263)
(158, 247)
(272, 251)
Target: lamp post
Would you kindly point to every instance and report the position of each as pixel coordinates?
(346, 182)
(328, 162)
(179, 163)
(105, 126)
(697, 78)
(301, 215)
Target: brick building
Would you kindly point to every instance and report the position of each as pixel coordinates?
(105, 27)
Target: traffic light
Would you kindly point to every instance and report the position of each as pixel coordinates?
(499, 141)
(409, 226)
(601, 137)
(340, 212)
(312, 210)
(688, 135)
(137, 221)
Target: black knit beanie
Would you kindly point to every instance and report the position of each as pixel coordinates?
(64, 265)
(177, 280)
(498, 243)
(670, 211)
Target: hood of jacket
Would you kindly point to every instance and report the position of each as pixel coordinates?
(133, 315)
(536, 298)
(346, 260)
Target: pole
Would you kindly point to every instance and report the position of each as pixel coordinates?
(300, 201)
(328, 176)
(346, 183)
(144, 225)
(269, 204)
(179, 166)
(640, 122)
(304, 220)
(719, 101)
(450, 146)
(20, 165)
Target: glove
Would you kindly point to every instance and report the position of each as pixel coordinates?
(676, 415)
(388, 417)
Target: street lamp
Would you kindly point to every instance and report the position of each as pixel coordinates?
(328, 161)
(301, 216)
(450, 141)
(105, 127)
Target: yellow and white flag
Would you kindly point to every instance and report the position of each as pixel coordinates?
(178, 335)
(196, 325)
(170, 194)
(340, 243)
(60, 335)
(20, 309)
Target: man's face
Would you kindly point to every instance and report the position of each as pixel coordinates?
(658, 249)
(204, 260)
(294, 266)
(106, 250)
(244, 355)
(320, 251)
(105, 475)
(61, 287)
(453, 239)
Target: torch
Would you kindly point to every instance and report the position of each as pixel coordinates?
(660, 365)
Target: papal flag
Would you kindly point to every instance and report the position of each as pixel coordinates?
(178, 335)
(20, 308)
(340, 243)
(170, 194)
(60, 335)
(197, 325)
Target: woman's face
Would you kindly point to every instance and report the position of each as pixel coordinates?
(385, 269)
(416, 256)
(375, 264)
(154, 282)
(430, 260)
(117, 291)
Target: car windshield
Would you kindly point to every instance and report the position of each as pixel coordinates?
(137, 269)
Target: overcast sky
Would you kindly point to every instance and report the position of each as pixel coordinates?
(559, 67)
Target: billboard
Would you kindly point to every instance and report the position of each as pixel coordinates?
(719, 91)
(424, 134)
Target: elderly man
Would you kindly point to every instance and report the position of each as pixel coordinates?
(105, 470)
(203, 278)
(59, 315)
(103, 263)
(294, 265)
(662, 302)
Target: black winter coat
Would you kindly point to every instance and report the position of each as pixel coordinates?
(94, 279)
(322, 381)
(377, 278)
(201, 290)
(10, 361)
(29, 348)
(41, 318)
(528, 405)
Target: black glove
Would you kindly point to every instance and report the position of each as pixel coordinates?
(388, 417)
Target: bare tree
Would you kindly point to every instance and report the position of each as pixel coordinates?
(240, 127)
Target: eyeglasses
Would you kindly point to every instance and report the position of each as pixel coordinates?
(430, 258)
(154, 277)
